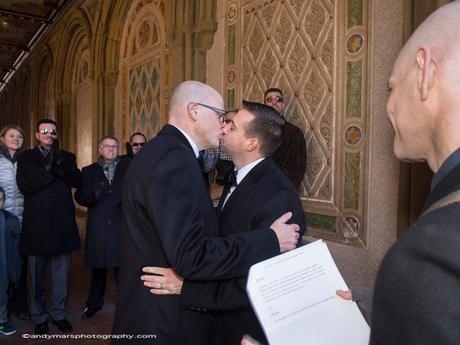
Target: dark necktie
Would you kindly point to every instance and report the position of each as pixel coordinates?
(232, 179)
(231, 182)
(200, 159)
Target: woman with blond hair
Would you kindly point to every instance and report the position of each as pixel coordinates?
(12, 139)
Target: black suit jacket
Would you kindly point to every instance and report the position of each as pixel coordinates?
(49, 226)
(262, 196)
(103, 223)
(417, 292)
(168, 220)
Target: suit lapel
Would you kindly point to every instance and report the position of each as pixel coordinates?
(174, 132)
(37, 156)
(246, 185)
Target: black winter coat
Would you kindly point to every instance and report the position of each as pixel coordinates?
(103, 222)
(49, 226)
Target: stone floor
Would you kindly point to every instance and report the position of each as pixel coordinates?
(97, 326)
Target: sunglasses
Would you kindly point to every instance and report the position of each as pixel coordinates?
(276, 99)
(137, 144)
(51, 131)
(220, 112)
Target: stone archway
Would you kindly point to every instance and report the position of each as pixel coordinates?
(74, 80)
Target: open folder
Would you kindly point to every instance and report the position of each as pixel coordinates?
(294, 297)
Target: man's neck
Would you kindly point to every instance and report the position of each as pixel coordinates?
(241, 162)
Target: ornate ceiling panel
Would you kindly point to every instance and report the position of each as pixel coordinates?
(22, 23)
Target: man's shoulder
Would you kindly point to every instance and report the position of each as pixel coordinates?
(273, 178)
(91, 167)
(292, 129)
(68, 154)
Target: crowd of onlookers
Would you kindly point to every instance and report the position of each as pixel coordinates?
(38, 228)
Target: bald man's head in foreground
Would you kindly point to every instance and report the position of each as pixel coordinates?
(197, 109)
(424, 103)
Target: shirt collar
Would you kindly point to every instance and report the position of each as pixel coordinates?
(241, 174)
(43, 150)
(190, 141)
(446, 167)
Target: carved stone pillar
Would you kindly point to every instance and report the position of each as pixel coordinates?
(64, 120)
(190, 29)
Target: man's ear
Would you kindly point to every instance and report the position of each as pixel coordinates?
(37, 135)
(426, 69)
(252, 144)
(191, 110)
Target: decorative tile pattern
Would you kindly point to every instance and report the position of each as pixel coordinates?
(353, 135)
(321, 221)
(351, 188)
(231, 45)
(354, 13)
(320, 63)
(354, 43)
(144, 106)
(144, 62)
(354, 88)
(350, 227)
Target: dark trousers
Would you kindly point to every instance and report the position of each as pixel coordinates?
(97, 288)
(60, 273)
(17, 301)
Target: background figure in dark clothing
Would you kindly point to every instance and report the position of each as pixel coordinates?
(100, 192)
(45, 176)
(133, 146)
(291, 155)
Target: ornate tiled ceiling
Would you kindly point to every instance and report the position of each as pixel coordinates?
(22, 23)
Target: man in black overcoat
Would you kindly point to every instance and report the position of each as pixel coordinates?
(100, 192)
(169, 221)
(291, 154)
(260, 194)
(45, 176)
(417, 291)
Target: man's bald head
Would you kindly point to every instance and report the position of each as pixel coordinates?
(424, 104)
(196, 109)
(440, 31)
(190, 91)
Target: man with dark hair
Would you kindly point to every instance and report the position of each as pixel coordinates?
(291, 155)
(100, 192)
(260, 192)
(169, 221)
(136, 141)
(45, 176)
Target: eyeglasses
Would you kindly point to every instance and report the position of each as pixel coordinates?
(113, 147)
(220, 112)
(45, 131)
(275, 99)
(137, 144)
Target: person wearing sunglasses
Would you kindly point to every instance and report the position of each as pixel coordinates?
(136, 142)
(169, 221)
(100, 192)
(45, 176)
(291, 155)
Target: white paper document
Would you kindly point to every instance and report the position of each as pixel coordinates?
(294, 297)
